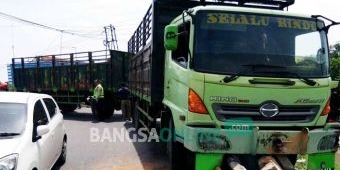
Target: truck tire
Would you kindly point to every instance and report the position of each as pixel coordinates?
(108, 109)
(292, 158)
(117, 104)
(176, 152)
(135, 117)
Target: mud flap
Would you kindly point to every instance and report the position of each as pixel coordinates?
(323, 161)
(208, 161)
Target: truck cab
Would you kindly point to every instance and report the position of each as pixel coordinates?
(238, 78)
(256, 81)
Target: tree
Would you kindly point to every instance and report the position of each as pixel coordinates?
(335, 61)
(335, 50)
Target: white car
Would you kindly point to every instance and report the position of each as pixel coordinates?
(32, 132)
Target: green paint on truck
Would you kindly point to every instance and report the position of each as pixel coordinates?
(242, 79)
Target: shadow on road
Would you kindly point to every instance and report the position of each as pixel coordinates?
(151, 154)
(86, 115)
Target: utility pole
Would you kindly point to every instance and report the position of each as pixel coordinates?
(12, 28)
(110, 41)
(61, 41)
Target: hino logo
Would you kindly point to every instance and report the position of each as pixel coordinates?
(223, 99)
(269, 110)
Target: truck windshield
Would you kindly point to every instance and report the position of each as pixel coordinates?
(239, 43)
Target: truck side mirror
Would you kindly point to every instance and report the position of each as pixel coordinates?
(171, 37)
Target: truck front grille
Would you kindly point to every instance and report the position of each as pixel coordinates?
(286, 113)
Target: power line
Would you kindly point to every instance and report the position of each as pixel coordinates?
(11, 17)
(30, 22)
(110, 41)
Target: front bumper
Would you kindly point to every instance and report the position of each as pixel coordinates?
(256, 141)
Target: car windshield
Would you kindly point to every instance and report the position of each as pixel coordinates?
(259, 45)
(12, 118)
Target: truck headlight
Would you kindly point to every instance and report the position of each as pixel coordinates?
(329, 142)
(213, 141)
(9, 162)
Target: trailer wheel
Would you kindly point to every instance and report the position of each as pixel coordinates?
(176, 152)
(66, 108)
(93, 109)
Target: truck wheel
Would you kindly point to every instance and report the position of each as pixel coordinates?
(176, 151)
(135, 119)
(292, 158)
(108, 109)
(93, 109)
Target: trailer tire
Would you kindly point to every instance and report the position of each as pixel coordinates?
(67, 108)
(93, 109)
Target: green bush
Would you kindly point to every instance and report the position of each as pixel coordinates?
(335, 61)
(335, 68)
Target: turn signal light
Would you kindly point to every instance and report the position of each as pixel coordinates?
(326, 109)
(195, 103)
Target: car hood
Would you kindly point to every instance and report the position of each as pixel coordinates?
(8, 146)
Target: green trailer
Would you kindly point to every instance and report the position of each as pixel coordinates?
(238, 78)
(69, 77)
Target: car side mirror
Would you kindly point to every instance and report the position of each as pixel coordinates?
(42, 130)
(171, 37)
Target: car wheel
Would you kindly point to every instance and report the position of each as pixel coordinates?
(62, 157)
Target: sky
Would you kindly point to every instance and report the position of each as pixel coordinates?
(88, 18)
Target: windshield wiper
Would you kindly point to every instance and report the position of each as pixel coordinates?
(231, 78)
(307, 81)
(4, 134)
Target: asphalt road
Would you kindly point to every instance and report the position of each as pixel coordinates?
(108, 145)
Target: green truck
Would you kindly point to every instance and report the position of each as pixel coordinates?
(69, 77)
(234, 79)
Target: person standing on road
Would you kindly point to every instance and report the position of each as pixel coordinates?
(124, 96)
(98, 95)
